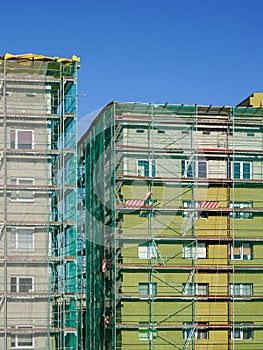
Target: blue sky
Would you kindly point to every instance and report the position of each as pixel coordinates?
(187, 51)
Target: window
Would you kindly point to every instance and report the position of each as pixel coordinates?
(21, 139)
(195, 251)
(188, 330)
(24, 340)
(146, 167)
(22, 194)
(147, 251)
(188, 289)
(146, 333)
(238, 214)
(241, 170)
(202, 169)
(242, 331)
(148, 288)
(200, 332)
(241, 251)
(191, 169)
(22, 238)
(187, 168)
(201, 288)
(241, 289)
(22, 284)
(195, 288)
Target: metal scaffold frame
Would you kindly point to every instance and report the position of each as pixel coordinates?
(38, 246)
(170, 194)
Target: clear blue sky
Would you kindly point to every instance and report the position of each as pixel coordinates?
(175, 51)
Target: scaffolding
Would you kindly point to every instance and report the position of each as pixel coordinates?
(39, 293)
(171, 201)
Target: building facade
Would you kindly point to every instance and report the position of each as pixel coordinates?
(171, 202)
(39, 307)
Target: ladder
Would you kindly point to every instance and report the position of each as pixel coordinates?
(159, 257)
(2, 303)
(1, 159)
(188, 222)
(1, 230)
(189, 338)
(118, 197)
(1, 87)
(189, 278)
(187, 165)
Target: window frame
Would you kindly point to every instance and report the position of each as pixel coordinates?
(239, 214)
(147, 251)
(242, 171)
(16, 139)
(195, 289)
(150, 288)
(204, 331)
(241, 289)
(152, 168)
(17, 284)
(190, 169)
(15, 239)
(16, 191)
(198, 253)
(187, 330)
(199, 171)
(193, 170)
(243, 329)
(198, 330)
(16, 338)
(146, 333)
(241, 250)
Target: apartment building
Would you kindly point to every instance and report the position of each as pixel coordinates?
(39, 299)
(171, 202)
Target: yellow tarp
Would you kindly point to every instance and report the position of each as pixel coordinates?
(35, 57)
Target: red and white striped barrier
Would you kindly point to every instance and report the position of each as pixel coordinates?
(210, 204)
